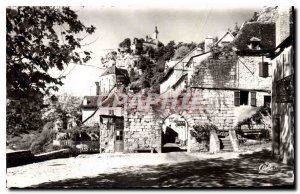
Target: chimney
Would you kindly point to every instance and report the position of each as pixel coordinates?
(284, 24)
(97, 88)
(208, 43)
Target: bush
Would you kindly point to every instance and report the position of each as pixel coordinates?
(44, 139)
(202, 134)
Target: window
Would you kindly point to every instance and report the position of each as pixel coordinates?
(241, 98)
(119, 135)
(253, 98)
(264, 69)
(267, 101)
(244, 97)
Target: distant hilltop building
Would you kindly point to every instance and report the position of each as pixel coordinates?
(147, 42)
(126, 57)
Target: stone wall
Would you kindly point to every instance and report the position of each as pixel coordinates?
(248, 73)
(142, 130)
(213, 106)
(216, 73)
(284, 112)
(283, 24)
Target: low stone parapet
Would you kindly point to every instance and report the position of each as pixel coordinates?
(214, 143)
(20, 157)
(63, 153)
(234, 140)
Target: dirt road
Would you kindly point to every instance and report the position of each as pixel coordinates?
(178, 169)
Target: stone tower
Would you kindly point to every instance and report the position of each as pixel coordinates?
(155, 35)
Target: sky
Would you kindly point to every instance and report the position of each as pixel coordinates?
(114, 24)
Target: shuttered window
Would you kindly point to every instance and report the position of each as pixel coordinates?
(237, 98)
(264, 69)
(253, 98)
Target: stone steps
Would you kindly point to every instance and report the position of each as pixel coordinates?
(226, 145)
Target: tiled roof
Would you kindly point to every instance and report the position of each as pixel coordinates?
(258, 30)
(114, 70)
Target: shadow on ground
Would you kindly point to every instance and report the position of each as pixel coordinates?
(172, 147)
(236, 172)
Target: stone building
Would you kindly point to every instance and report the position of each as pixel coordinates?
(253, 43)
(283, 82)
(112, 77)
(148, 41)
(206, 87)
(108, 82)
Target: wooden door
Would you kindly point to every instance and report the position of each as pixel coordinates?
(119, 134)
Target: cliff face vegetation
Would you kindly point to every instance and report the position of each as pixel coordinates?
(266, 15)
(218, 70)
(145, 62)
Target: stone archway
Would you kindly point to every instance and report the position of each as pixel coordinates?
(166, 113)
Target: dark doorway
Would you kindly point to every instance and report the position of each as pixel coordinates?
(174, 134)
(267, 101)
(244, 97)
(170, 136)
(276, 136)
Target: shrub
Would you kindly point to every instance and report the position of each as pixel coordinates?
(44, 139)
(202, 134)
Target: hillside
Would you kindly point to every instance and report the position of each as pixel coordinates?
(144, 61)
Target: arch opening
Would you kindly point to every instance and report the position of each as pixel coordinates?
(174, 134)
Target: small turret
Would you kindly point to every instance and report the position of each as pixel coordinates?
(155, 33)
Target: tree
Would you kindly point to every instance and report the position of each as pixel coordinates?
(254, 17)
(181, 52)
(201, 45)
(62, 107)
(126, 43)
(38, 39)
(169, 51)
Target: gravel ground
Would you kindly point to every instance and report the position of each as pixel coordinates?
(147, 170)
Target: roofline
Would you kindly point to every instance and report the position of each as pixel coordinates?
(185, 56)
(224, 36)
(284, 44)
(107, 70)
(179, 81)
(172, 68)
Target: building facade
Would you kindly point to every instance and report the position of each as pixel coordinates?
(202, 88)
(283, 91)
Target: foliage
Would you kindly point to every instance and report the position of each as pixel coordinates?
(126, 43)
(21, 141)
(152, 62)
(201, 45)
(110, 56)
(44, 139)
(235, 30)
(169, 51)
(83, 133)
(23, 115)
(256, 117)
(62, 108)
(38, 39)
(254, 17)
(267, 14)
(181, 52)
(202, 132)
